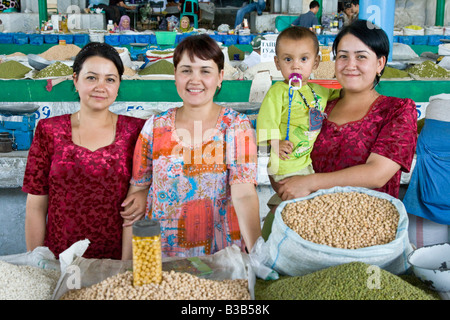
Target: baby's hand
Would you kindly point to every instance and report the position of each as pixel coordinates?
(282, 148)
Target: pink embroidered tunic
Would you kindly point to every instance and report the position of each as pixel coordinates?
(388, 129)
(85, 188)
(190, 184)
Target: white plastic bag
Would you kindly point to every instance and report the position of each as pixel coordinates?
(289, 254)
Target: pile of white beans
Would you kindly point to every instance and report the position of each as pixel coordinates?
(22, 282)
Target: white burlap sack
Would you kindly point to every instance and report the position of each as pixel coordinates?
(290, 254)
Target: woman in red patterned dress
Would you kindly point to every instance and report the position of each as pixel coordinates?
(367, 139)
(79, 165)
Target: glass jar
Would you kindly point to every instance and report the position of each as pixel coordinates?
(147, 257)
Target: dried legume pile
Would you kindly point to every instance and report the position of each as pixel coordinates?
(325, 70)
(174, 286)
(348, 220)
(57, 69)
(392, 73)
(61, 52)
(21, 282)
(13, 70)
(429, 69)
(159, 67)
(350, 281)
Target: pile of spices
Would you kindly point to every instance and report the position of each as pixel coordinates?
(428, 69)
(350, 281)
(61, 52)
(57, 69)
(13, 70)
(159, 67)
(393, 73)
(325, 70)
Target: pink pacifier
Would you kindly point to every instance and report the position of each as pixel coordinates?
(296, 78)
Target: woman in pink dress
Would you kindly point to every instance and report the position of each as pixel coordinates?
(198, 163)
(79, 165)
(367, 139)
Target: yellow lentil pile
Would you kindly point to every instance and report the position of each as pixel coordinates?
(348, 220)
(174, 286)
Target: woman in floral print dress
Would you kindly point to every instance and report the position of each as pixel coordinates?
(197, 164)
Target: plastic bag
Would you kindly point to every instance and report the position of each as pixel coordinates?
(289, 254)
(229, 263)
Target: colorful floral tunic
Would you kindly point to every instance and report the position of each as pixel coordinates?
(389, 129)
(190, 185)
(85, 188)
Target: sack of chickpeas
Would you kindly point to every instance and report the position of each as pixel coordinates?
(336, 226)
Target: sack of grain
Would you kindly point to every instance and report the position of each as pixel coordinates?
(290, 254)
(29, 276)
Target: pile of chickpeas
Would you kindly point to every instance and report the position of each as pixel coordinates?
(348, 220)
(147, 260)
(174, 286)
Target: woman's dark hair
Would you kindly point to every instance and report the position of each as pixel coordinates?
(297, 33)
(201, 46)
(371, 35)
(98, 49)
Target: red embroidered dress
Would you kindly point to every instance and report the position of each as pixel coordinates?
(388, 129)
(85, 188)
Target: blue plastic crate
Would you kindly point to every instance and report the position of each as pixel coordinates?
(420, 40)
(125, 39)
(245, 39)
(21, 38)
(67, 37)
(434, 40)
(217, 37)
(51, 38)
(80, 39)
(142, 38)
(37, 39)
(406, 40)
(6, 38)
(113, 40)
(229, 39)
(153, 39)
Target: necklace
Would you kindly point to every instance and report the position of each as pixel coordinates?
(316, 116)
(79, 128)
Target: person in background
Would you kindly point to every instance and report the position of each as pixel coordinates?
(254, 57)
(308, 19)
(185, 25)
(368, 139)
(111, 12)
(289, 120)
(355, 9)
(253, 5)
(124, 24)
(348, 14)
(198, 163)
(426, 199)
(121, 5)
(79, 165)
